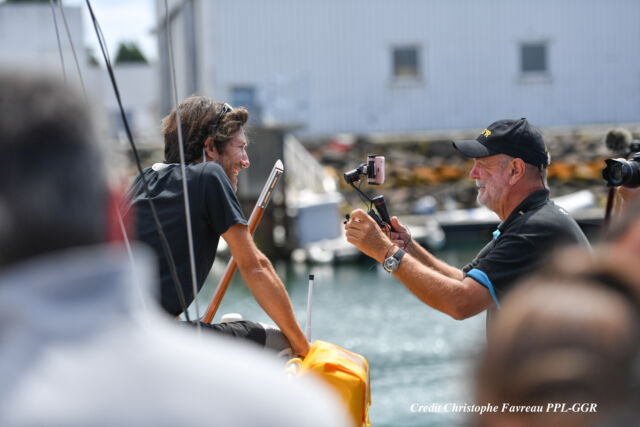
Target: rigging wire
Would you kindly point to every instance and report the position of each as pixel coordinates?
(119, 214)
(120, 220)
(163, 238)
(55, 24)
(185, 191)
(73, 50)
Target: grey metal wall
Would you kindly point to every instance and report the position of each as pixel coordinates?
(328, 64)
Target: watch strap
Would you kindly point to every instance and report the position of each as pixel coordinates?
(393, 261)
(399, 254)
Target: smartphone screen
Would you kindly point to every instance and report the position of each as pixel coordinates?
(376, 174)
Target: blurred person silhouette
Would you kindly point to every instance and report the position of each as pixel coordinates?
(509, 166)
(567, 345)
(77, 345)
(214, 153)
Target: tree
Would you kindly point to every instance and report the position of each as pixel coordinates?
(129, 52)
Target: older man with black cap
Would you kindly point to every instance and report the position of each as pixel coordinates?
(510, 160)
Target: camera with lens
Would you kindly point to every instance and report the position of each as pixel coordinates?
(373, 169)
(623, 171)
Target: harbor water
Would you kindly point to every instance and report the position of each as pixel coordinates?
(417, 356)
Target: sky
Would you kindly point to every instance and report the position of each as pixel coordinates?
(121, 21)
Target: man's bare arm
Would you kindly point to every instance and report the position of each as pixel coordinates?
(459, 299)
(449, 292)
(402, 238)
(265, 285)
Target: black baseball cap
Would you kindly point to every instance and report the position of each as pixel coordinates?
(515, 138)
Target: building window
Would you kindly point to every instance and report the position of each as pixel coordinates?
(406, 62)
(533, 58)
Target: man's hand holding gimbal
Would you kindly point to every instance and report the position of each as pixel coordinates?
(401, 237)
(364, 233)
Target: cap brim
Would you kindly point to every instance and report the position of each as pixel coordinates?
(472, 148)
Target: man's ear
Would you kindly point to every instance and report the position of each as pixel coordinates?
(210, 149)
(517, 169)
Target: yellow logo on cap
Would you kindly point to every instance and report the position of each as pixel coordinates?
(486, 133)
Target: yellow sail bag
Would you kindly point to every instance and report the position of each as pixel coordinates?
(344, 371)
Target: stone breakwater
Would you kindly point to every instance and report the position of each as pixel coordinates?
(419, 166)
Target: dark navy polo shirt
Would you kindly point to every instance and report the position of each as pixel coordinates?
(522, 242)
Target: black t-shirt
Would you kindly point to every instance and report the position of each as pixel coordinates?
(521, 243)
(213, 206)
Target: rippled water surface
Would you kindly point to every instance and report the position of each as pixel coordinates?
(416, 354)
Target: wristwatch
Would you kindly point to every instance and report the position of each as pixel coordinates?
(391, 264)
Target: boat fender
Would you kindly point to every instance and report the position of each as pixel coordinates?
(231, 317)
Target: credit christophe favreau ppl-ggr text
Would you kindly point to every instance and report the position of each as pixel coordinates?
(577, 407)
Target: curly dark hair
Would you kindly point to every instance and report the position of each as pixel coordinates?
(198, 116)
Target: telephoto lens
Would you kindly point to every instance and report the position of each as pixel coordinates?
(622, 172)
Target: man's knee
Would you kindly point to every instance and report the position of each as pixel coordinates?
(265, 335)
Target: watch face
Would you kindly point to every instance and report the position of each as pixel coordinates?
(391, 264)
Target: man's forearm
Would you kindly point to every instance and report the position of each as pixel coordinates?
(265, 285)
(272, 296)
(459, 298)
(433, 281)
(426, 258)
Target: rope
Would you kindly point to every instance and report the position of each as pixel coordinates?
(185, 191)
(73, 50)
(163, 238)
(120, 219)
(55, 24)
